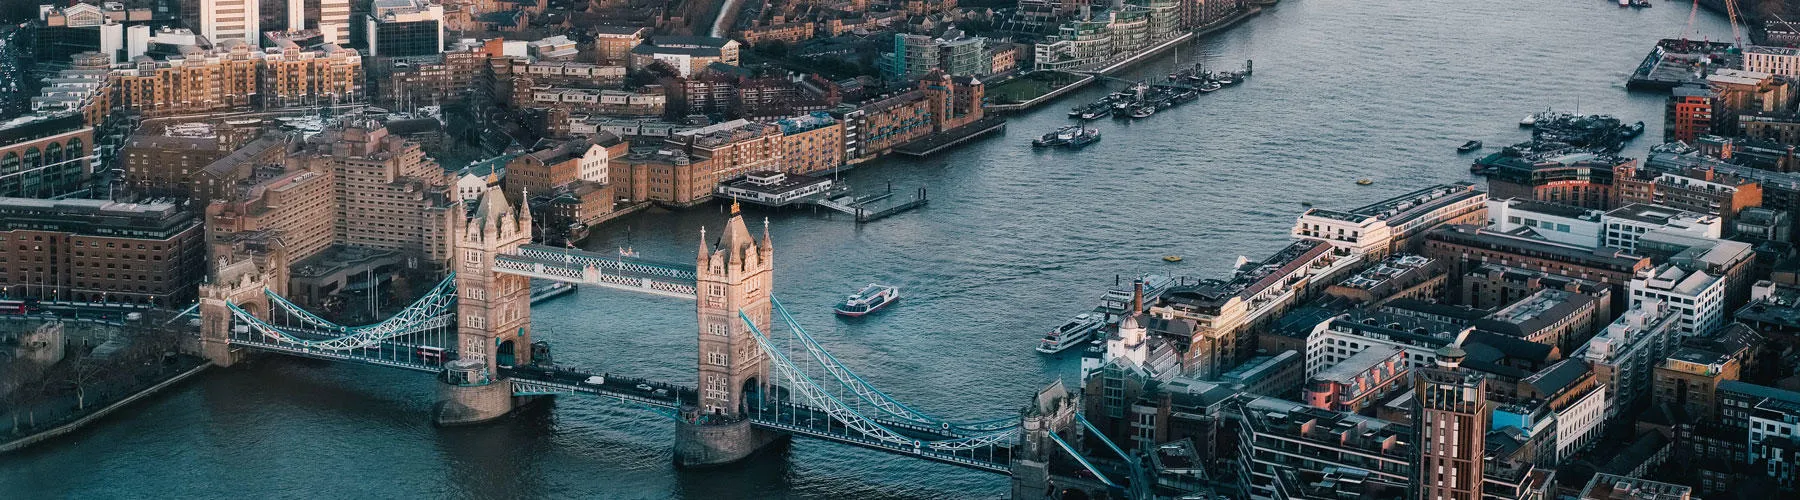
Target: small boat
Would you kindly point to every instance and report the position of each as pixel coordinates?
(1084, 138)
(1095, 112)
(1060, 137)
(1468, 146)
(1640, 3)
(1227, 80)
(1305, 203)
(1636, 129)
(1624, 3)
(1364, 182)
(1143, 111)
(1070, 334)
(1528, 121)
(1209, 87)
(870, 299)
(1172, 258)
(1076, 111)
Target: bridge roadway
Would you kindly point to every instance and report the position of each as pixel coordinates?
(782, 416)
(388, 354)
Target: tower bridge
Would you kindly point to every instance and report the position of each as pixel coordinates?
(761, 377)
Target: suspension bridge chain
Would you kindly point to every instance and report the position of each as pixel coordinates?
(874, 397)
(834, 406)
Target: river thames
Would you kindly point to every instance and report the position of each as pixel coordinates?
(1014, 242)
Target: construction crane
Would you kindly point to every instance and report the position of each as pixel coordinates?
(1736, 36)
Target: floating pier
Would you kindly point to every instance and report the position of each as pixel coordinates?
(870, 208)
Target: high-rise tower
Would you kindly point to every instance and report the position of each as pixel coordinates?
(1452, 419)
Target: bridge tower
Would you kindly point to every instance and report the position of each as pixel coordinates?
(244, 268)
(493, 313)
(734, 273)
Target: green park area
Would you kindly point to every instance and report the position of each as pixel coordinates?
(1029, 86)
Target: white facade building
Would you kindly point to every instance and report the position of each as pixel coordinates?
(222, 20)
(1568, 225)
(1698, 297)
(1625, 225)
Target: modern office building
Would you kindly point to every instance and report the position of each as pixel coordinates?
(404, 28)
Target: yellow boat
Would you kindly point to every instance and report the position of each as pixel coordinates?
(1172, 258)
(1364, 182)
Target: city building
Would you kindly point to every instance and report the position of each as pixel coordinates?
(1399, 276)
(1624, 225)
(1553, 222)
(811, 143)
(1605, 486)
(555, 165)
(1758, 223)
(1101, 37)
(1570, 177)
(684, 54)
(1360, 381)
(1689, 113)
(43, 156)
(160, 165)
(1779, 61)
(404, 28)
(1394, 224)
(100, 251)
(1452, 414)
(1467, 247)
(1706, 192)
(1221, 314)
(388, 194)
(1550, 316)
(1689, 380)
(1568, 394)
(558, 48)
(298, 207)
(1493, 286)
(61, 33)
(1625, 353)
(955, 53)
(1698, 297)
(613, 44)
(223, 20)
(220, 179)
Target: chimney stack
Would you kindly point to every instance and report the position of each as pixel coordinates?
(1137, 296)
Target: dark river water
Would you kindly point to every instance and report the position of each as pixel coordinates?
(1014, 242)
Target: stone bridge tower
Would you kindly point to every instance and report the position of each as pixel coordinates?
(734, 273)
(493, 312)
(242, 270)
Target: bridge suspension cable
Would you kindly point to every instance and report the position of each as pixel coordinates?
(434, 303)
(855, 421)
(868, 393)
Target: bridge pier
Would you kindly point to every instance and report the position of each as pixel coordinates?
(467, 395)
(703, 445)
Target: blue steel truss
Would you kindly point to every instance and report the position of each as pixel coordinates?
(438, 302)
(880, 400)
(854, 420)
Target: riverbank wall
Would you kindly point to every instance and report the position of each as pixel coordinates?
(51, 433)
